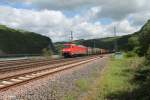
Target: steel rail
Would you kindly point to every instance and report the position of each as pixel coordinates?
(8, 82)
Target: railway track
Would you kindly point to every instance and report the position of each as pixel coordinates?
(15, 80)
(31, 64)
(25, 65)
(15, 62)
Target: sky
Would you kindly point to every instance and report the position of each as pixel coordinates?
(87, 19)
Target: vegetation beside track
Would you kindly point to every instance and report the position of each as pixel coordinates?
(117, 82)
(127, 78)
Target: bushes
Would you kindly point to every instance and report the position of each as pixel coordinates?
(21, 42)
(144, 38)
(148, 55)
(130, 54)
(140, 43)
(47, 52)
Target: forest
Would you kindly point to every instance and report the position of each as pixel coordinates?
(22, 42)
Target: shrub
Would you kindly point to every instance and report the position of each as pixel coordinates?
(130, 54)
(148, 55)
(47, 52)
(82, 84)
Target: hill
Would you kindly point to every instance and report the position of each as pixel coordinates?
(107, 43)
(140, 41)
(22, 42)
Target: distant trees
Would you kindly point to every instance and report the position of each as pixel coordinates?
(106, 43)
(148, 55)
(47, 52)
(140, 41)
(144, 38)
(21, 42)
(133, 43)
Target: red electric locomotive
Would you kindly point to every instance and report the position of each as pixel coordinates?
(71, 50)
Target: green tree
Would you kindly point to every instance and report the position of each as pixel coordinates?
(22, 42)
(144, 38)
(148, 55)
(47, 52)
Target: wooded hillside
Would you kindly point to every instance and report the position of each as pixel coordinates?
(22, 42)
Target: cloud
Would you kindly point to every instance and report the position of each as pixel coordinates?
(45, 22)
(114, 9)
(138, 19)
(55, 24)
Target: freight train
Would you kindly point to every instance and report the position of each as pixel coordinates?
(73, 50)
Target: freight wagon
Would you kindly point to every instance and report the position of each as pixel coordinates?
(72, 50)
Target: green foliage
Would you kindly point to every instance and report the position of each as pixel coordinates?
(144, 38)
(133, 42)
(115, 80)
(107, 43)
(69, 97)
(140, 41)
(142, 73)
(59, 47)
(137, 42)
(148, 55)
(142, 80)
(21, 42)
(82, 84)
(3, 27)
(130, 54)
(47, 52)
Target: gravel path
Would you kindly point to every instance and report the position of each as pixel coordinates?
(56, 86)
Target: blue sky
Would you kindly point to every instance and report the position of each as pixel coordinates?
(19, 5)
(87, 19)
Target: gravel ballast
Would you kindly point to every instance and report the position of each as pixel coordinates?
(57, 86)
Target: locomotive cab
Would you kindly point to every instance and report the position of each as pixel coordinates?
(66, 52)
(73, 50)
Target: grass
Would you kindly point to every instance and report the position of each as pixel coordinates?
(116, 79)
(82, 84)
(114, 82)
(69, 97)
